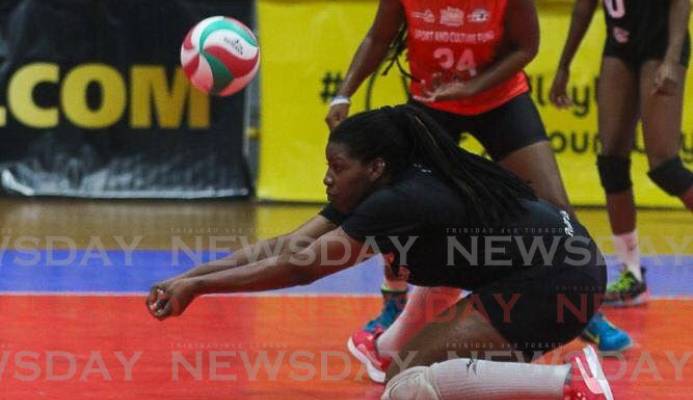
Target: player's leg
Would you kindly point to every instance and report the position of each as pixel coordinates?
(542, 173)
(514, 136)
(661, 118)
(394, 294)
(468, 358)
(488, 325)
(582, 378)
(424, 306)
(618, 95)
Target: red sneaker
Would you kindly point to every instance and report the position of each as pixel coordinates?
(362, 346)
(587, 380)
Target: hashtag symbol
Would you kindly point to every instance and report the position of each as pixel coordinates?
(330, 85)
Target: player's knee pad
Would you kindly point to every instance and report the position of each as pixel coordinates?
(412, 384)
(672, 176)
(614, 173)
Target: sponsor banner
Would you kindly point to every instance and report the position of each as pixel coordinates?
(93, 102)
(309, 60)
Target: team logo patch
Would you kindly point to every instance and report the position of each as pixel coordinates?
(452, 16)
(479, 15)
(427, 16)
(621, 35)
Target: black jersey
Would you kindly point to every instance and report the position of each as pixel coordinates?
(423, 225)
(638, 30)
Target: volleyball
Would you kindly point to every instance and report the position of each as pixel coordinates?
(220, 55)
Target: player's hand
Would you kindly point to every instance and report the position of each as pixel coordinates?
(155, 299)
(438, 90)
(666, 81)
(559, 89)
(336, 115)
(173, 298)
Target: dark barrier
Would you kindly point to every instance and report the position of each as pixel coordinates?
(93, 102)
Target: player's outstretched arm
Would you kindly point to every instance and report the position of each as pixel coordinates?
(371, 52)
(290, 243)
(583, 12)
(326, 255)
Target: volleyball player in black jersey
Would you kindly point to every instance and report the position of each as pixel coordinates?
(642, 78)
(442, 217)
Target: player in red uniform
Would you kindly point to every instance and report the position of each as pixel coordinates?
(466, 60)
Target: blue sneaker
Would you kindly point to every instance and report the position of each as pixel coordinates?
(606, 335)
(393, 304)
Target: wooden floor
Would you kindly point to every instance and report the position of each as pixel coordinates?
(74, 345)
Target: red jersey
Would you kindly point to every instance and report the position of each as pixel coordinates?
(459, 39)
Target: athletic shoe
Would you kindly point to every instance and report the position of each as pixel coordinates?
(362, 345)
(587, 379)
(627, 291)
(393, 304)
(606, 335)
(412, 384)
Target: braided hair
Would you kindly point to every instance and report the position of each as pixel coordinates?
(397, 47)
(403, 136)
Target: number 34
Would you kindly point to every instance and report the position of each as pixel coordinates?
(446, 60)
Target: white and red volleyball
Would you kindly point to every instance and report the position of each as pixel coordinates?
(220, 55)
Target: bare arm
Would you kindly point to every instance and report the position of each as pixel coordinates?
(371, 52)
(263, 249)
(583, 12)
(679, 14)
(328, 254)
(522, 29)
(667, 80)
(374, 47)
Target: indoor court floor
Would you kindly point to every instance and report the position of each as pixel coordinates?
(73, 325)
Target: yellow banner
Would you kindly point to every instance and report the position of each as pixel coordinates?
(307, 47)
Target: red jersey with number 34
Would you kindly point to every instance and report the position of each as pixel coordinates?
(459, 39)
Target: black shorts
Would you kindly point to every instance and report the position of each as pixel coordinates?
(555, 304)
(653, 47)
(512, 126)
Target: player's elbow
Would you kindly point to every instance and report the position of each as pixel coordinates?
(530, 49)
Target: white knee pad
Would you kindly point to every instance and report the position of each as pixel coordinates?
(412, 384)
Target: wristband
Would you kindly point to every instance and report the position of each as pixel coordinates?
(337, 100)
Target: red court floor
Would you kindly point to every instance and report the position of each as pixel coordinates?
(73, 347)
(65, 345)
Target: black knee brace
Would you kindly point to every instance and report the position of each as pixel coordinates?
(614, 173)
(672, 176)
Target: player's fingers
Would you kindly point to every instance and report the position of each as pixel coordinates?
(436, 80)
(330, 122)
(422, 99)
(565, 101)
(554, 98)
(165, 311)
(152, 297)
